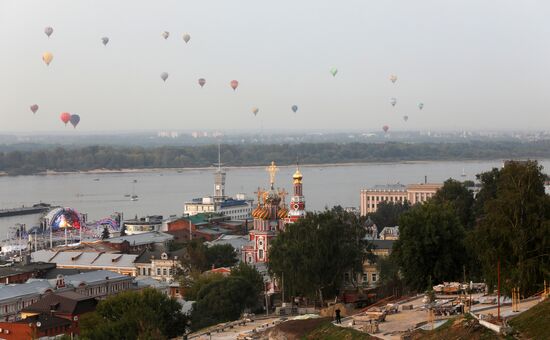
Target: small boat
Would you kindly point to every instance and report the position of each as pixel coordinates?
(180, 171)
(96, 179)
(135, 180)
(134, 198)
(127, 195)
(463, 173)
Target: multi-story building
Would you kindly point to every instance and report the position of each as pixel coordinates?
(396, 193)
(97, 284)
(159, 263)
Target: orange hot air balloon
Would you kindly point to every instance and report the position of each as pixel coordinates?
(234, 84)
(65, 117)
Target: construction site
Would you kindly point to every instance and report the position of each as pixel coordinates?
(450, 307)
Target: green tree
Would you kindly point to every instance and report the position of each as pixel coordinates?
(147, 314)
(390, 279)
(197, 281)
(430, 245)
(314, 253)
(220, 301)
(514, 227)
(105, 234)
(251, 275)
(221, 255)
(460, 198)
(387, 214)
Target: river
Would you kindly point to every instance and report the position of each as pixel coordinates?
(164, 192)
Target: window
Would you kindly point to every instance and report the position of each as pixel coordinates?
(374, 277)
(158, 271)
(346, 277)
(164, 271)
(261, 254)
(365, 278)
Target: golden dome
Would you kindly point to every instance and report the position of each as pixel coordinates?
(256, 211)
(283, 212)
(263, 214)
(297, 176)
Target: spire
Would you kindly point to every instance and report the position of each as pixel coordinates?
(272, 169)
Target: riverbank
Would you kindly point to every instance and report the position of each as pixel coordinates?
(101, 159)
(229, 168)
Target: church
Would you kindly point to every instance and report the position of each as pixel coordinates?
(271, 216)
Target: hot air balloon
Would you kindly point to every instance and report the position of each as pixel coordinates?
(65, 117)
(48, 30)
(234, 84)
(420, 105)
(164, 76)
(393, 78)
(105, 41)
(385, 128)
(294, 108)
(333, 71)
(393, 101)
(255, 110)
(202, 81)
(47, 57)
(75, 119)
(405, 118)
(165, 34)
(186, 38)
(34, 108)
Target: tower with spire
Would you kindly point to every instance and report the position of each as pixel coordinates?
(219, 181)
(297, 201)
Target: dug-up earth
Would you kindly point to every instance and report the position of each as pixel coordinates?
(318, 329)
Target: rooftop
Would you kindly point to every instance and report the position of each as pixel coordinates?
(233, 203)
(84, 259)
(145, 257)
(28, 268)
(142, 239)
(18, 290)
(47, 321)
(65, 302)
(389, 187)
(236, 241)
(382, 244)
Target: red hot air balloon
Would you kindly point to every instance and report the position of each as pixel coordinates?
(34, 108)
(385, 128)
(234, 84)
(202, 81)
(65, 117)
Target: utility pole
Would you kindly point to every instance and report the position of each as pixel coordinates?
(498, 289)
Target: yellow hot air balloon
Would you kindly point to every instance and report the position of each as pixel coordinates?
(47, 57)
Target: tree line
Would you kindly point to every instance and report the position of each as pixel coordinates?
(56, 158)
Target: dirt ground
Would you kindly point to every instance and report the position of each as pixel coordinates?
(292, 329)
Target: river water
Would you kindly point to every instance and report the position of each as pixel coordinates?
(164, 192)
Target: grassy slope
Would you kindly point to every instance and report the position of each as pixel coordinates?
(460, 329)
(534, 323)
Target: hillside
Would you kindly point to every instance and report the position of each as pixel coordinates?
(534, 323)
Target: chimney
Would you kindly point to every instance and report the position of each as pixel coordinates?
(425, 179)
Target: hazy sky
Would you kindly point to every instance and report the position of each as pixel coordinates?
(482, 64)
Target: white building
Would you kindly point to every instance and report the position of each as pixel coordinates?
(238, 208)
